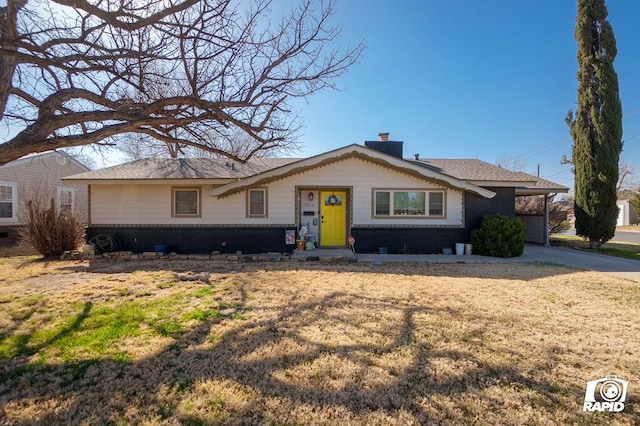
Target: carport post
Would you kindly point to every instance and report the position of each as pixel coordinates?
(546, 221)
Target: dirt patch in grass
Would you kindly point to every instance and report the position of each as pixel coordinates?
(313, 344)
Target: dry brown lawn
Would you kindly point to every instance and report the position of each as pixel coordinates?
(304, 343)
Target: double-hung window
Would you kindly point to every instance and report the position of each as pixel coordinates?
(7, 202)
(408, 203)
(66, 199)
(257, 202)
(185, 202)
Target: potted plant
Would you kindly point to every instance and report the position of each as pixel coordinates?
(300, 242)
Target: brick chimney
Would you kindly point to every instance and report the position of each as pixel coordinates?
(385, 146)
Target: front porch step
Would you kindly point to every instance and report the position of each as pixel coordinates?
(325, 255)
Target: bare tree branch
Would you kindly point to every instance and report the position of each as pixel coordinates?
(202, 74)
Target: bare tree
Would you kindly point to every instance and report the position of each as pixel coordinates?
(627, 179)
(559, 210)
(513, 164)
(186, 72)
(238, 145)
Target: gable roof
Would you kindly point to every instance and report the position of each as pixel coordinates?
(349, 151)
(61, 158)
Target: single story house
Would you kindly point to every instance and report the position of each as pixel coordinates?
(369, 192)
(38, 176)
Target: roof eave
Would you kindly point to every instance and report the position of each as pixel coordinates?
(31, 157)
(350, 151)
(540, 191)
(501, 183)
(154, 181)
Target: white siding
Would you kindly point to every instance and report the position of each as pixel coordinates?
(151, 204)
(41, 176)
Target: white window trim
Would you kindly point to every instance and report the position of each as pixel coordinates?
(408, 216)
(62, 189)
(198, 191)
(14, 202)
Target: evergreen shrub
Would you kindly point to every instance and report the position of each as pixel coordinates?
(499, 236)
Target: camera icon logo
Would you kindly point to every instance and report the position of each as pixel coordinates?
(605, 394)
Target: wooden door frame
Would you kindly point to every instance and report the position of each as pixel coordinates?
(300, 190)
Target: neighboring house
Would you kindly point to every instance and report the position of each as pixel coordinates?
(369, 192)
(626, 214)
(38, 175)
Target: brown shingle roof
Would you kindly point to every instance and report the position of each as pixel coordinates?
(545, 184)
(476, 170)
(469, 170)
(184, 168)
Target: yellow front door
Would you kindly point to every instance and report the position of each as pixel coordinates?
(333, 218)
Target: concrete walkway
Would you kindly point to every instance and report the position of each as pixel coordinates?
(625, 268)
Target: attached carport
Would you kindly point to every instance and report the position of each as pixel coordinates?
(537, 225)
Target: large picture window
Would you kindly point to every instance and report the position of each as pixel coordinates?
(408, 203)
(7, 201)
(186, 202)
(257, 202)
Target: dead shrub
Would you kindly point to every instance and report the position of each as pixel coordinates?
(50, 230)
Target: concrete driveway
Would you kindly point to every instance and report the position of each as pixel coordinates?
(627, 237)
(625, 268)
(621, 236)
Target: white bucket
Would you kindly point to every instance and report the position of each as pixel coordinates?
(459, 249)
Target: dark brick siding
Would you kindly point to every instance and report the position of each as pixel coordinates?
(476, 207)
(390, 147)
(197, 239)
(408, 240)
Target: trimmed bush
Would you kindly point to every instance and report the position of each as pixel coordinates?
(499, 236)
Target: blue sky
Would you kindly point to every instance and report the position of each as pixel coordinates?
(470, 79)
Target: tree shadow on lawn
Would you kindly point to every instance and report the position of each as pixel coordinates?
(516, 271)
(25, 348)
(283, 365)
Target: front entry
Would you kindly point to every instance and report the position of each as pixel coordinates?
(333, 217)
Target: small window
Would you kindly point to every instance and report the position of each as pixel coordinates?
(7, 201)
(186, 202)
(257, 203)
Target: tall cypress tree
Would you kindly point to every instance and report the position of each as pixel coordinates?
(596, 126)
